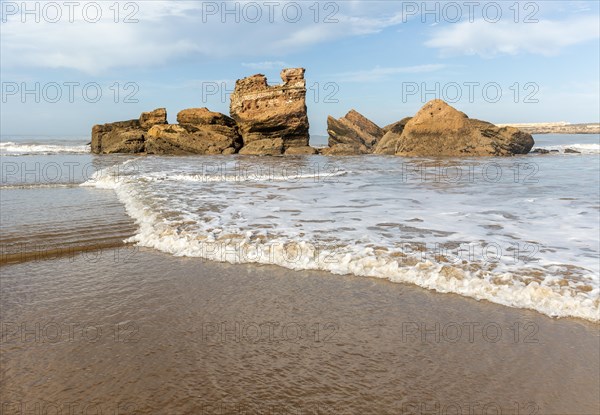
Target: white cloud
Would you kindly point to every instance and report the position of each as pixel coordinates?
(266, 65)
(166, 31)
(546, 37)
(380, 74)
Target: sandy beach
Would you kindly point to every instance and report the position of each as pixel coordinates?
(139, 331)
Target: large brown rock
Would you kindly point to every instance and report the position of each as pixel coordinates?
(355, 130)
(152, 118)
(118, 137)
(301, 151)
(440, 130)
(391, 139)
(264, 112)
(343, 150)
(204, 116)
(266, 147)
(126, 136)
(200, 131)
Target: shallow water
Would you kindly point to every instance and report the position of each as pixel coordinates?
(520, 231)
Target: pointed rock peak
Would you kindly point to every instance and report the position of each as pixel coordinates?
(356, 117)
(437, 108)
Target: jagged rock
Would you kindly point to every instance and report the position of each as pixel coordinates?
(570, 150)
(440, 130)
(155, 117)
(118, 137)
(265, 147)
(540, 151)
(389, 142)
(344, 150)
(126, 136)
(265, 112)
(204, 116)
(299, 151)
(190, 139)
(213, 123)
(354, 129)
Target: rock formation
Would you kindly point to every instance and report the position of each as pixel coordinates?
(440, 130)
(352, 131)
(271, 113)
(389, 142)
(267, 120)
(200, 131)
(126, 136)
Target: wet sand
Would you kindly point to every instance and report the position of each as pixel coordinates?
(129, 330)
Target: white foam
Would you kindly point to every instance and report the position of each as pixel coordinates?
(581, 148)
(20, 149)
(345, 228)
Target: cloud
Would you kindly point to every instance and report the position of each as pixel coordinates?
(381, 74)
(547, 38)
(266, 65)
(167, 31)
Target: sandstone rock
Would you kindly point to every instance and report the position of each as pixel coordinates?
(265, 112)
(126, 136)
(118, 137)
(344, 150)
(353, 129)
(299, 151)
(212, 123)
(440, 130)
(189, 139)
(265, 147)
(149, 119)
(391, 139)
(204, 116)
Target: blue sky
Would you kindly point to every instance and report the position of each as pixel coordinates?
(376, 57)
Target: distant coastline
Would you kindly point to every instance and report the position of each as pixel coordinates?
(556, 128)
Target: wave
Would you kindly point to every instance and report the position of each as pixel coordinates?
(572, 148)
(546, 294)
(11, 148)
(25, 186)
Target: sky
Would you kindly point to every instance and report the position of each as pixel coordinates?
(67, 65)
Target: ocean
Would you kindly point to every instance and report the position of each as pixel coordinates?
(521, 231)
(134, 284)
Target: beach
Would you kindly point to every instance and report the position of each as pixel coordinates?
(163, 335)
(160, 334)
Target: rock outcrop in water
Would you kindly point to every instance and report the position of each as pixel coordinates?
(389, 142)
(200, 131)
(436, 130)
(441, 130)
(271, 119)
(126, 136)
(266, 120)
(352, 134)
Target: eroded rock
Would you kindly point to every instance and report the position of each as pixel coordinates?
(188, 139)
(354, 130)
(389, 142)
(301, 151)
(342, 150)
(265, 147)
(126, 136)
(264, 112)
(440, 130)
